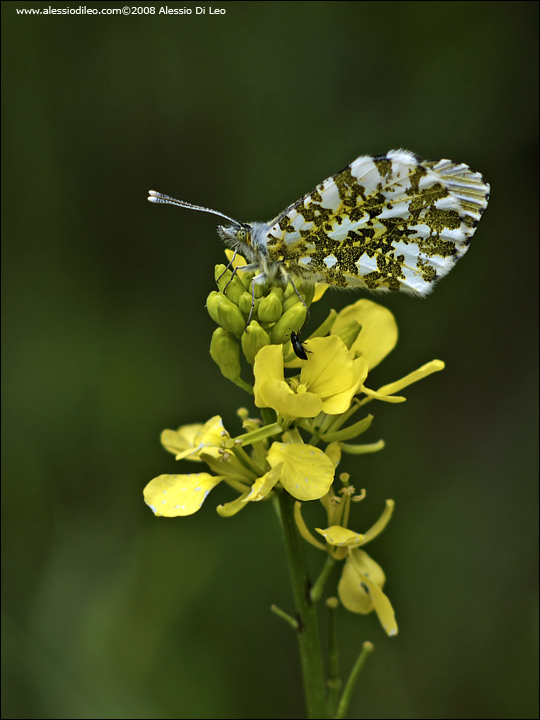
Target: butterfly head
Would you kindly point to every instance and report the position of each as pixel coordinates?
(236, 236)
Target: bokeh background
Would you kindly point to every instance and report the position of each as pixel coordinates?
(109, 612)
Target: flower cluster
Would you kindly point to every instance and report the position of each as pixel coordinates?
(304, 404)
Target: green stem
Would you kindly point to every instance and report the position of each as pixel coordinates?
(318, 587)
(306, 612)
(284, 616)
(246, 461)
(259, 434)
(334, 679)
(367, 649)
(244, 385)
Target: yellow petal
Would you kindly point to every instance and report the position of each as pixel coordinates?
(334, 453)
(340, 536)
(381, 523)
(379, 332)
(239, 260)
(231, 508)
(415, 376)
(263, 485)
(190, 440)
(307, 473)
(360, 589)
(303, 528)
(354, 596)
(211, 434)
(341, 402)
(382, 396)
(268, 365)
(278, 395)
(181, 442)
(320, 289)
(329, 368)
(178, 495)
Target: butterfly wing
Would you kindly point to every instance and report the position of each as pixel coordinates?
(387, 222)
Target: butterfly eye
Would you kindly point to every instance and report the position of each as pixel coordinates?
(243, 235)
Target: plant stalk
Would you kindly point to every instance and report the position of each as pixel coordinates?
(306, 613)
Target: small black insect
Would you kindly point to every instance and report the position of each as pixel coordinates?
(298, 346)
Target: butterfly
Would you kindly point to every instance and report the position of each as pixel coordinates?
(389, 222)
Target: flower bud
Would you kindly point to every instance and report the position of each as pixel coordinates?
(244, 303)
(225, 352)
(253, 340)
(291, 297)
(349, 332)
(260, 289)
(293, 319)
(222, 275)
(270, 308)
(225, 313)
(277, 291)
(307, 291)
(246, 278)
(232, 289)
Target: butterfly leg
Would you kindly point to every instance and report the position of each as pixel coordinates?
(260, 278)
(245, 268)
(252, 304)
(229, 265)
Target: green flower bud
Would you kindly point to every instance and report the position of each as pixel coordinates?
(277, 291)
(349, 332)
(244, 303)
(246, 279)
(293, 319)
(306, 291)
(222, 275)
(290, 300)
(225, 313)
(253, 340)
(225, 352)
(270, 308)
(232, 289)
(260, 289)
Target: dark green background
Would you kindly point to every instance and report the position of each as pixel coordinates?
(109, 612)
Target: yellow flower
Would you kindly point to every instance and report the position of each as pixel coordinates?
(328, 380)
(360, 589)
(362, 579)
(190, 440)
(304, 471)
(178, 495)
(333, 374)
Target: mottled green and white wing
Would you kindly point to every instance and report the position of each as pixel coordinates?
(387, 222)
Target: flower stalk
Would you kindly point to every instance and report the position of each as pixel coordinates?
(289, 451)
(306, 612)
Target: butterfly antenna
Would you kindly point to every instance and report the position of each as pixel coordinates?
(156, 197)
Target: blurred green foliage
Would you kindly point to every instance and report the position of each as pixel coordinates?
(109, 612)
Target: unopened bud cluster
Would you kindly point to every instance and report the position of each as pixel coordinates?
(276, 312)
